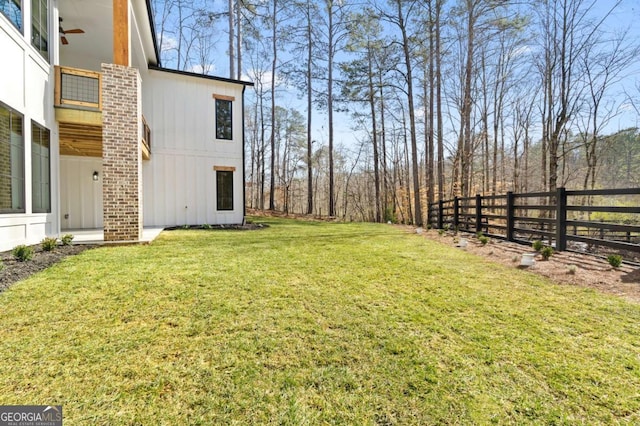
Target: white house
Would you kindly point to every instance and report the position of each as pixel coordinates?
(96, 134)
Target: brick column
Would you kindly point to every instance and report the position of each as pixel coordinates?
(121, 155)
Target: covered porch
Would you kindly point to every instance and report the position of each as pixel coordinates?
(103, 137)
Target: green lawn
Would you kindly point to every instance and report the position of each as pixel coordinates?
(313, 323)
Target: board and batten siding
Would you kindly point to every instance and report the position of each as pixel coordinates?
(179, 180)
(27, 87)
(80, 195)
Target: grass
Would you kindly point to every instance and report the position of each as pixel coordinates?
(313, 323)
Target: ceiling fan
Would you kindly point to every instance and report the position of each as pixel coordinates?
(64, 32)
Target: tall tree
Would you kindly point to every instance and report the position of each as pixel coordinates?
(360, 84)
(437, 12)
(404, 11)
(603, 63)
(568, 29)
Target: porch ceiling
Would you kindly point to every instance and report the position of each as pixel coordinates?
(81, 140)
(95, 46)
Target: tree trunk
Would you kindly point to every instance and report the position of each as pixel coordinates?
(274, 52)
(430, 118)
(309, 114)
(412, 118)
(232, 56)
(440, 121)
(374, 133)
(332, 208)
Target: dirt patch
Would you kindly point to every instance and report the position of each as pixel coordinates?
(15, 271)
(567, 268)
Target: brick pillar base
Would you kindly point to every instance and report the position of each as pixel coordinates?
(121, 155)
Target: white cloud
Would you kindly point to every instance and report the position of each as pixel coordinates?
(168, 43)
(265, 77)
(206, 69)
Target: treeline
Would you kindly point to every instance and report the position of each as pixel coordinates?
(444, 98)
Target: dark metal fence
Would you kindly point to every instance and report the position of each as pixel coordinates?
(563, 218)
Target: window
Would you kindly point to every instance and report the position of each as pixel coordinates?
(40, 26)
(12, 9)
(223, 119)
(40, 172)
(11, 162)
(224, 189)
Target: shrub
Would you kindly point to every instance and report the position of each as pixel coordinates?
(22, 253)
(441, 232)
(614, 260)
(66, 239)
(546, 252)
(206, 226)
(483, 239)
(49, 244)
(479, 234)
(572, 269)
(390, 216)
(537, 245)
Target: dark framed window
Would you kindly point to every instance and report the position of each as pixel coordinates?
(224, 190)
(40, 26)
(40, 169)
(11, 161)
(12, 9)
(224, 119)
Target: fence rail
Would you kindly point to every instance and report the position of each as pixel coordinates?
(562, 217)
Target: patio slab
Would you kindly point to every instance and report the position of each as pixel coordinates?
(96, 236)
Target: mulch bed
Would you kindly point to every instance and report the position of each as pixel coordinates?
(15, 271)
(589, 270)
(249, 226)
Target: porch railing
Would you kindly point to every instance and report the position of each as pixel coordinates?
(78, 88)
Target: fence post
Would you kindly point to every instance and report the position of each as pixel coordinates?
(510, 215)
(561, 219)
(456, 205)
(478, 213)
(440, 212)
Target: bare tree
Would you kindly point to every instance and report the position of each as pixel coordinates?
(604, 63)
(567, 31)
(405, 11)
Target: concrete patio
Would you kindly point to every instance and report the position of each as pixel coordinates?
(96, 236)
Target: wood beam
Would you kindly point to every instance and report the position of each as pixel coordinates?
(121, 42)
(77, 116)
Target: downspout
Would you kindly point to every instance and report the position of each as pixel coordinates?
(244, 180)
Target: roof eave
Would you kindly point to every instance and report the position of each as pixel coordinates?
(193, 74)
